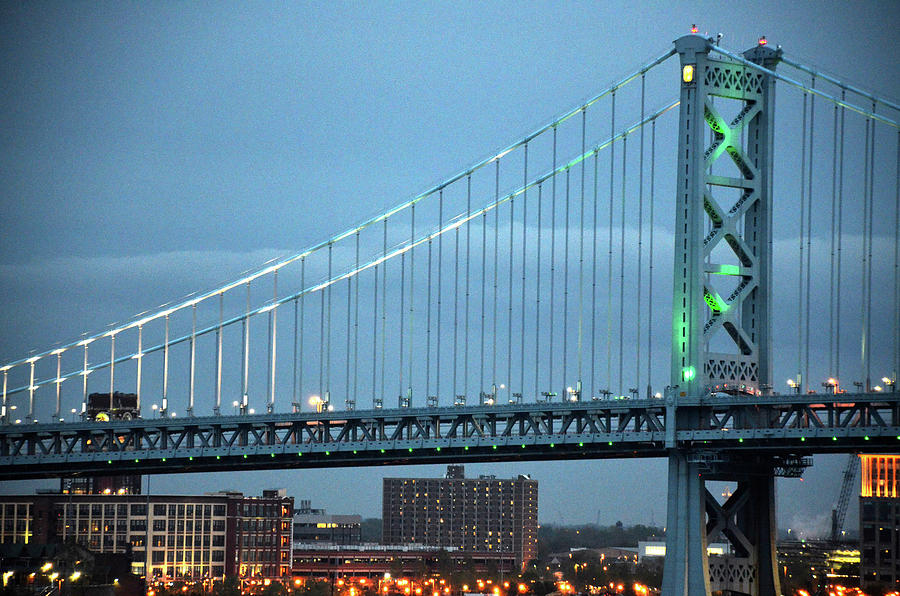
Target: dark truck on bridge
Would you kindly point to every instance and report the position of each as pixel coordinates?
(118, 406)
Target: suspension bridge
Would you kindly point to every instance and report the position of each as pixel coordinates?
(628, 280)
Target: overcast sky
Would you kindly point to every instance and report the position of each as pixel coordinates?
(154, 149)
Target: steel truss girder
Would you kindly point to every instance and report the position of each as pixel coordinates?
(597, 429)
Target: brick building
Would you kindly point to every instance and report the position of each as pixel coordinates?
(187, 537)
(484, 514)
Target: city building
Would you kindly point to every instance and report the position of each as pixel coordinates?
(879, 520)
(483, 514)
(374, 561)
(188, 537)
(315, 526)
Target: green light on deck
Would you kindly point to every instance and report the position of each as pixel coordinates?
(552, 445)
(688, 373)
(834, 438)
(610, 443)
(272, 454)
(245, 456)
(494, 446)
(137, 461)
(109, 461)
(382, 450)
(217, 457)
(191, 458)
(466, 448)
(802, 439)
(523, 445)
(164, 459)
(410, 449)
(740, 440)
(354, 452)
(866, 438)
(299, 454)
(581, 444)
(327, 453)
(438, 449)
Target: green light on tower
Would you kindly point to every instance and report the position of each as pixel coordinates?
(688, 373)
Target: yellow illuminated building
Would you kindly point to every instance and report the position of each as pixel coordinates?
(879, 520)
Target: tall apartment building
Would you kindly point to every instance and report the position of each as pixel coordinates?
(483, 514)
(879, 520)
(187, 537)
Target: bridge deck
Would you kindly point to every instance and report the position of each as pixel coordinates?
(777, 425)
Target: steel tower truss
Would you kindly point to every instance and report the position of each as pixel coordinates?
(721, 326)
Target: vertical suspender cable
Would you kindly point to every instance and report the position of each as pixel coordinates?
(637, 362)
(356, 327)
(273, 343)
(801, 379)
(868, 380)
(896, 362)
(565, 326)
(809, 208)
(650, 256)
(509, 290)
(622, 267)
(322, 395)
(831, 288)
(219, 353)
(609, 256)
(112, 370)
(552, 265)
(864, 342)
(349, 396)
(483, 292)
(375, 394)
(245, 396)
(594, 235)
(140, 360)
(165, 395)
(300, 324)
(455, 311)
(84, 382)
(440, 293)
(537, 306)
(402, 318)
(468, 267)
(59, 381)
(328, 326)
(428, 326)
(193, 351)
(524, 255)
(32, 388)
(412, 287)
(383, 312)
(295, 399)
(581, 261)
(840, 235)
(496, 256)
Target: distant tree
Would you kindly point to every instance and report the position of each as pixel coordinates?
(230, 586)
(274, 589)
(315, 588)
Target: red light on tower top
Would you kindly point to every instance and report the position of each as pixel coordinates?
(762, 40)
(694, 28)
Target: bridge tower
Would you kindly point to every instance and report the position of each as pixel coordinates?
(721, 323)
